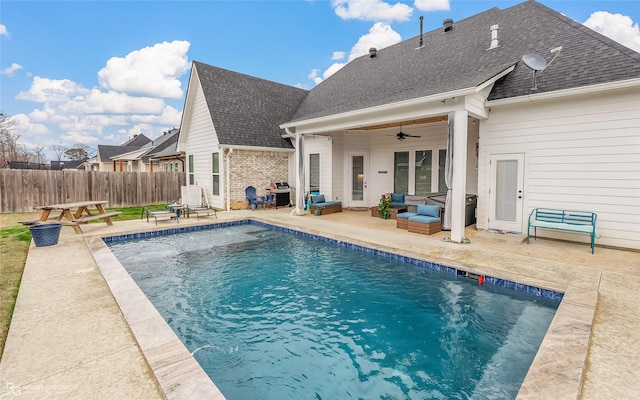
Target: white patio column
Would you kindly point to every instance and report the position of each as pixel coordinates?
(459, 181)
(299, 209)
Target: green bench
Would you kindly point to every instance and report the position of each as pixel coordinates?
(563, 220)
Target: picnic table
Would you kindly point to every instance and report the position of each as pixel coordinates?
(73, 212)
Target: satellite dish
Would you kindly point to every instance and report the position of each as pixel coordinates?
(538, 64)
(534, 61)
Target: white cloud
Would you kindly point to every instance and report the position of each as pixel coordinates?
(371, 10)
(332, 70)
(71, 113)
(338, 55)
(617, 27)
(380, 35)
(432, 5)
(10, 70)
(3, 30)
(44, 90)
(26, 128)
(313, 75)
(111, 102)
(151, 71)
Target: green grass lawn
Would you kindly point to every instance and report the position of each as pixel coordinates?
(14, 246)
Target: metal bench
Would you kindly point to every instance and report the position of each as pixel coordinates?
(563, 220)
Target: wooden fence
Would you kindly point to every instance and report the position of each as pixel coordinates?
(22, 190)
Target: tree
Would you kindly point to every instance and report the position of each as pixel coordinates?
(38, 152)
(58, 150)
(9, 147)
(75, 153)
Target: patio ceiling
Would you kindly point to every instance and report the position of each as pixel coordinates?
(399, 123)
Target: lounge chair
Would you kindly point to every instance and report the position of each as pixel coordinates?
(198, 211)
(253, 199)
(159, 215)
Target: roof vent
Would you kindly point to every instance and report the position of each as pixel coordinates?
(494, 37)
(373, 52)
(421, 42)
(447, 24)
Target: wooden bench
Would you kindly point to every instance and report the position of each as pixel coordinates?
(36, 221)
(563, 220)
(106, 217)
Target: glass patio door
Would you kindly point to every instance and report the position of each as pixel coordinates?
(357, 184)
(506, 192)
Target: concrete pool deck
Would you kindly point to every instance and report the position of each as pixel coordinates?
(69, 338)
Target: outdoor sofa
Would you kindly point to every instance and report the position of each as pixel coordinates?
(319, 205)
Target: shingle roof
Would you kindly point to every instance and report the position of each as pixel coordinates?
(137, 141)
(105, 152)
(245, 110)
(160, 145)
(459, 59)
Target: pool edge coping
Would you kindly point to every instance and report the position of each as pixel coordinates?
(564, 349)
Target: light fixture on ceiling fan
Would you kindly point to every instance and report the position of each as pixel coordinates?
(402, 136)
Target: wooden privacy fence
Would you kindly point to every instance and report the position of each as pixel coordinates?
(21, 190)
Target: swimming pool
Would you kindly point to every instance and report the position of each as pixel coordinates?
(284, 326)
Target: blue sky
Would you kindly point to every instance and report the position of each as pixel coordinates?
(98, 72)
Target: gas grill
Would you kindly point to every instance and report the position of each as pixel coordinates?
(282, 192)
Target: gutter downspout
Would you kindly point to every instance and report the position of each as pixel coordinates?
(228, 178)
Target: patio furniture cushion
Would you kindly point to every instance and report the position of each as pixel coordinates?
(406, 215)
(317, 199)
(429, 210)
(424, 219)
(397, 200)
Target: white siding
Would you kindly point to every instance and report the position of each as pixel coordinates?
(320, 145)
(581, 153)
(201, 143)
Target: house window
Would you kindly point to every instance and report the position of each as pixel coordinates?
(423, 172)
(215, 169)
(401, 172)
(314, 172)
(442, 155)
(192, 178)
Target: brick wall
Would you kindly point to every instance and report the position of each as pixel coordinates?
(259, 169)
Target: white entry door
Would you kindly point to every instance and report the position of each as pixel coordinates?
(506, 192)
(357, 179)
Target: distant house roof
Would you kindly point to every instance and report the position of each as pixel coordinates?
(247, 111)
(137, 141)
(164, 145)
(106, 152)
(460, 59)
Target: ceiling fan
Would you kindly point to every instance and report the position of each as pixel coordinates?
(402, 136)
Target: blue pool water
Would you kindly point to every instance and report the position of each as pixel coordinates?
(271, 315)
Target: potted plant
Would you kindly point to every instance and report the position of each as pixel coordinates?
(384, 207)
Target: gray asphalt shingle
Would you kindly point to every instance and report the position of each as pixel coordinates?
(245, 110)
